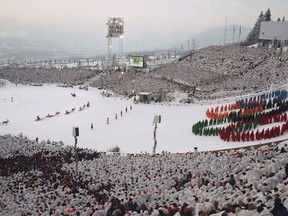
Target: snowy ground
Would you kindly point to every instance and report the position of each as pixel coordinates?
(133, 132)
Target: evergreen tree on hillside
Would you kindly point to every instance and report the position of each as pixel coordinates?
(267, 16)
(283, 18)
(253, 36)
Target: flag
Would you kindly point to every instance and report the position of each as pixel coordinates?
(233, 34)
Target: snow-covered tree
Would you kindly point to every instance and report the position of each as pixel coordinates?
(253, 36)
(267, 16)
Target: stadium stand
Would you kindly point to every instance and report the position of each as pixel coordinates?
(209, 73)
(39, 179)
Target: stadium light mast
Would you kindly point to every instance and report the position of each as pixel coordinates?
(115, 30)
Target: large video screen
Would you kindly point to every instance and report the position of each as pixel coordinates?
(136, 61)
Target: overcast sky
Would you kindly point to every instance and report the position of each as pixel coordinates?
(146, 21)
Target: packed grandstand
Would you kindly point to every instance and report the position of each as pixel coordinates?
(40, 178)
(208, 73)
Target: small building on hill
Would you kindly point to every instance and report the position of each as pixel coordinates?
(275, 33)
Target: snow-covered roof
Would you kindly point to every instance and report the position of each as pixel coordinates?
(274, 30)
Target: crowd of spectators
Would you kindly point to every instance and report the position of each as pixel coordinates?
(209, 73)
(229, 69)
(124, 83)
(215, 71)
(38, 76)
(40, 179)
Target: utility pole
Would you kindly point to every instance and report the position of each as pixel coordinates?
(156, 120)
(225, 31)
(155, 140)
(75, 133)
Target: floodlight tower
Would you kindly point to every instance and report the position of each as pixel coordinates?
(115, 30)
